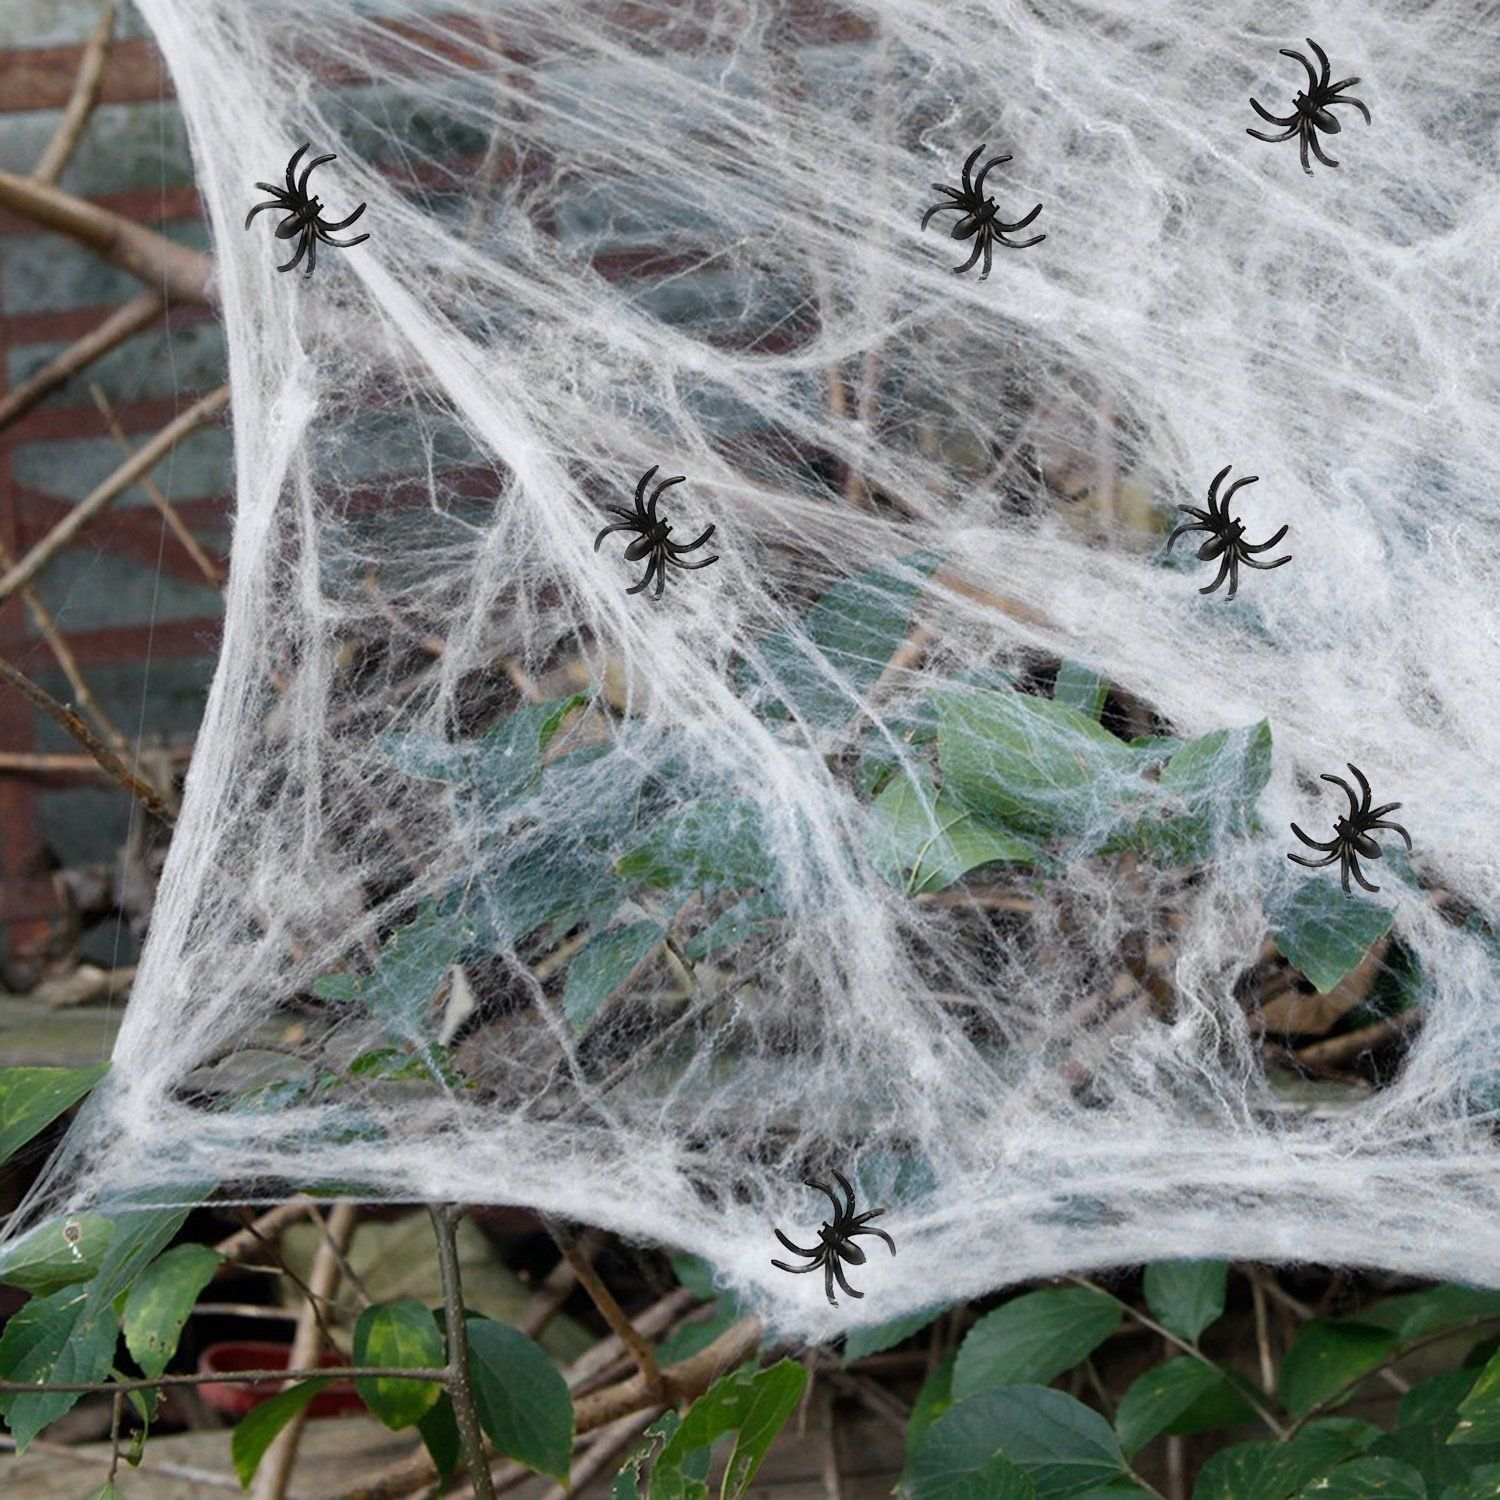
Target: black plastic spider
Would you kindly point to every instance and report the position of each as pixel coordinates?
(306, 213)
(1310, 110)
(1351, 835)
(653, 534)
(980, 215)
(836, 1241)
(1227, 535)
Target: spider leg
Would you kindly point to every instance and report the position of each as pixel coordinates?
(327, 239)
(260, 208)
(1354, 870)
(678, 563)
(1223, 573)
(838, 1272)
(1345, 861)
(1380, 812)
(1214, 507)
(847, 1212)
(1312, 864)
(1317, 150)
(994, 161)
(781, 1265)
(656, 493)
(818, 1251)
(828, 1266)
(1181, 530)
(1312, 77)
(343, 223)
(1364, 786)
(306, 240)
(661, 573)
(1234, 573)
(1229, 493)
(968, 167)
(1348, 792)
(987, 236)
(1304, 131)
(317, 161)
(688, 546)
(943, 187)
(1265, 567)
(1313, 843)
(1020, 223)
(1021, 244)
(1322, 58)
(1359, 104)
(883, 1235)
(645, 577)
(618, 526)
(1266, 114)
(1393, 828)
(312, 249)
(938, 208)
(822, 1188)
(978, 251)
(291, 167)
(1260, 135)
(1266, 546)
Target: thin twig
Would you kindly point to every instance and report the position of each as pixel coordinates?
(202, 411)
(1345, 1048)
(239, 1244)
(232, 1377)
(602, 1453)
(460, 1377)
(210, 570)
(67, 720)
(345, 1269)
(79, 107)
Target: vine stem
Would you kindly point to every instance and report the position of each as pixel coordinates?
(460, 1379)
(223, 1377)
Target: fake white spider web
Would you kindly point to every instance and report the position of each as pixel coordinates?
(977, 952)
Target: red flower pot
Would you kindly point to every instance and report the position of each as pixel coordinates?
(235, 1398)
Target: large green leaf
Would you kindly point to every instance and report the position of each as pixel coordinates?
(1325, 933)
(1033, 1338)
(1276, 1471)
(1368, 1479)
(752, 1405)
(822, 670)
(862, 1342)
(32, 1098)
(960, 1459)
(603, 964)
(398, 1336)
(627, 1485)
(439, 1429)
(523, 1401)
(1209, 789)
(1066, 1449)
(57, 1253)
(1426, 1448)
(55, 1339)
(714, 844)
(159, 1303)
(925, 840)
(1448, 1305)
(933, 1400)
(1081, 688)
(1327, 1355)
(1033, 766)
(730, 928)
(1479, 1411)
(1165, 1393)
(258, 1428)
(1186, 1296)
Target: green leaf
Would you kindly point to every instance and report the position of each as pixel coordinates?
(603, 964)
(1327, 1355)
(627, 1485)
(1033, 766)
(741, 921)
(1186, 1296)
(54, 1339)
(1446, 1306)
(1427, 1450)
(158, 1305)
(258, 1428)
(1479, 1411)
(439, 1429)
(410, 966)
(523, 1401)
(933, 1400)
(1080, 688)
(58, 1253)
(752, 1405)
(398, 1336)
(1033, 1338)
(714, 844)
(32, 1098)
(109, 1490)
(1325, 933)
(1163, 1394)
(862, 1342)
(1210, 788)
(925, 840)
(689, 1337)
(846, 640)
(1276, 1471)
(960, 1459)
(1368, 1479)
(1482, 1483)
(546, 882)
(1435, 1402)
(1066, 1449)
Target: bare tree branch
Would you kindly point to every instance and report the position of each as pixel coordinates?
(81, 105)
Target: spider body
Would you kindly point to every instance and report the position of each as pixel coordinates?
(1310, 109)
(836, 1241)
(979, 215)
(1226, 535)
(304, 213)
(1351, 839)
(653, 536)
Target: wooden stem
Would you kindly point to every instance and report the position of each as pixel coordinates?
(80, 106)
(460, 1376)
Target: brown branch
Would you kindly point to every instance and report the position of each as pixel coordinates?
(460, 1373)
(121, 324)
(1345, 1048)
(202, 411)
(236, 1377)
(26, 762)
(177, 272)
(640, 1351)
(205, 564)
(239, 1244)
(67, 720)
(81, 105)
